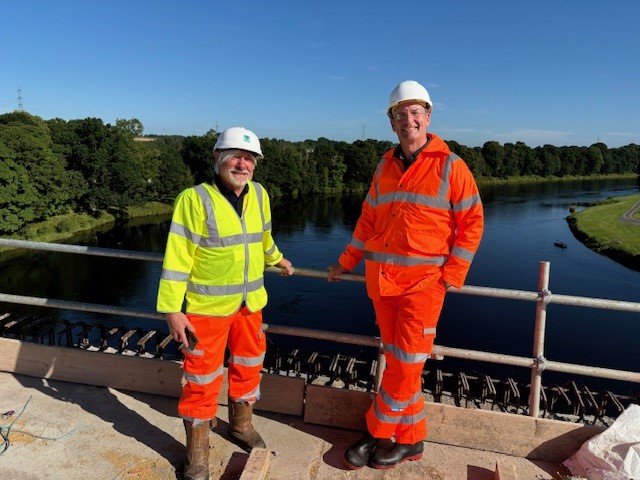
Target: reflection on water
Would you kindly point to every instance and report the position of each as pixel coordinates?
(522, 223)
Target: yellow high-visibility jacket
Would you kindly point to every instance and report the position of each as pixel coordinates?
(214, 258)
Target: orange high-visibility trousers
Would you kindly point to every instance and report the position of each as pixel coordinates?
(407, 326)
(204, 365)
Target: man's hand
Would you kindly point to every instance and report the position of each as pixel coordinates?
(178, 324)
(334, 271)
(286, 267)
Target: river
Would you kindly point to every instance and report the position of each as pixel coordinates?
(522, 222)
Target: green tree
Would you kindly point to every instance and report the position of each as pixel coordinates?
(132, 125)
(493, 155)
(28, 143)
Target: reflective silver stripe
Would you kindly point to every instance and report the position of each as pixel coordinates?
(413, 419)
(443, 188)
(184, 232)
(467, 203)
(254, 395)
(246, 361)
(231, 240)
(393, 259)
(174, 275)
(267, 226)
(258, 188)
(225, 289)
(359, 244)
(203, 379)
(210, 222)
(382, 417)
(462, 253)
(416, 198)
(376, 175)
(429, 331)
(395, 405)
(403, 419)
(372, 203)
(405, 357)
(271, 250)
(197, 353)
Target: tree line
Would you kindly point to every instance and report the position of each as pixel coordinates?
(51, 167)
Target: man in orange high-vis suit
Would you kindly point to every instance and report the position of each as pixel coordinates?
(218, 246)
(420, 226)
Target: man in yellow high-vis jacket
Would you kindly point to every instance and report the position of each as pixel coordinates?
(218, 246)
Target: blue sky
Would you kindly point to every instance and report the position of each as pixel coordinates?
(559, 72)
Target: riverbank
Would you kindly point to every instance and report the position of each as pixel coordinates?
(611, 228)
(72, 227)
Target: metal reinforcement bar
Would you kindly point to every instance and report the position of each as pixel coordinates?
(542, 297)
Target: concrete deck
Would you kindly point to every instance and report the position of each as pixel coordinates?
(63, 430)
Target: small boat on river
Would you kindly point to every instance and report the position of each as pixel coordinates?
(560, 244)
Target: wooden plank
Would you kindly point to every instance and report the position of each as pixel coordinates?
(500, 432)
(257, 466)
(281, 394)
(518, 435)
(138, 374)
(336, 407)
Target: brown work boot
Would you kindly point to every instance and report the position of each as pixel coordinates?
(240, 427)
(196, 465)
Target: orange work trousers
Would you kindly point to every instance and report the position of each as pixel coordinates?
(203, 366)
(407, 326)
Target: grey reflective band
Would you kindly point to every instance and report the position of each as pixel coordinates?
(258, 188)
(359, 244)
(405, 357)
(384, 418)
(394, 259)
(203, 379)
(174, 275)
(443, 188)
(184, 232)
(429, 331)
(415, 198)
(231, 240)
(467, 203)
(246, 361)
(215, 290)
(413, 419)
(250, 395)
(462, 253)
(212, 226)
(397, 405)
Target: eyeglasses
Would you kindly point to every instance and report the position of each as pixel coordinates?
(414, 112)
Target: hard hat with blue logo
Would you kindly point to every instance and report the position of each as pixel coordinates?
(239, 138)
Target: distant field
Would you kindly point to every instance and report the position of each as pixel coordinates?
(610, 229)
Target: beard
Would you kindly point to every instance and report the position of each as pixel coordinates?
(234, 181)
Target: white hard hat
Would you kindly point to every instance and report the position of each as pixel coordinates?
(408, 90)
(240, 138)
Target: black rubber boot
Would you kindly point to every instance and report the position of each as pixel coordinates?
(357, 455)
(399, 453)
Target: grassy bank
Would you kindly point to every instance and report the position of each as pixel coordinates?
(601, 229)
(538, 179)
(64, 228)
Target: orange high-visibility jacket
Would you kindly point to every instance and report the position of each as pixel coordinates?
(417, 223)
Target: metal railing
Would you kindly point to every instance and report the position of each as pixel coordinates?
(537, 363)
